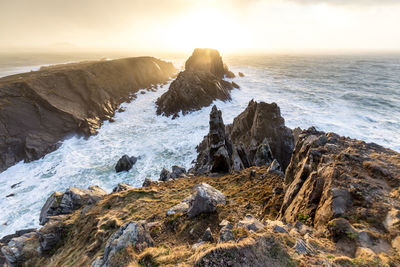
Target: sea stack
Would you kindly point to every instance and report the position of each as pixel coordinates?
(257, 137)
(198, 85)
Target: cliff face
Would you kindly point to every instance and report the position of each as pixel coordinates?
(346, 187)
(198, 85)
(39, 109)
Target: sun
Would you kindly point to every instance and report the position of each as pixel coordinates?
(207, 27)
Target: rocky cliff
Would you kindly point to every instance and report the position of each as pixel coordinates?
(198, 85)
(346, 187)
(257, 137)
(337, 205)
(39, 109)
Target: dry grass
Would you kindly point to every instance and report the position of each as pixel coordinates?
(87, 233)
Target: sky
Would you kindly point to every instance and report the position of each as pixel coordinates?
(181, 25)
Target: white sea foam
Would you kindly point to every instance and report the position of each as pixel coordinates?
(306, 97)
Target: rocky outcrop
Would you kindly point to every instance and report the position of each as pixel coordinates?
(52, 235)
(258, 123)
(257, 137)
(205, 199)
(207, 236)
(19, 249)
(72, 199)
(250, 223)
(41, 108)
(215, 151)
(331, 176)
(122, 187)
(198, 86)
(133, 234)
(181, 207)
(109, 233)
(177, 172)
(125, 163)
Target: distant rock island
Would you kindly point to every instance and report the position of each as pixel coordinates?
(198, 85)
(39, 109)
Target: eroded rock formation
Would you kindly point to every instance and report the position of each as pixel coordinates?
(198, 85)
(261, 122)
(39, 109)
(72, 199)
(346, 186)
(257, 137)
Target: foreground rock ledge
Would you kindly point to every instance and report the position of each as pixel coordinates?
(198, 86)
(39, 109)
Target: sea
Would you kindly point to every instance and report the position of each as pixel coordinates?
(353, 95)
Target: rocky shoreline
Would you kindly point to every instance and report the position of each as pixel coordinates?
(259, 194)
(39, 109)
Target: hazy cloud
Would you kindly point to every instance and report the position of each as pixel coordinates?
(350, 2)
(154, 23)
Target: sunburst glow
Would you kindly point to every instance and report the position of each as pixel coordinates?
(207, 28)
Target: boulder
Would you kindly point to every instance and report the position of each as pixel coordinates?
(182, 207)
(41, 108)
(225, 235)
(197, 86)
(121, 187)
(302, 247)
(207, 236)
(205, 199)
(133, 234)
(250, 223)
(6, 239)
(147, 182)
(48, 242)
(125, 163)
(165, 175)
(69, 201)
(241, 74)
(50, 235)
(225, 223)
(20, 248)
(177, 171)
(279, 229)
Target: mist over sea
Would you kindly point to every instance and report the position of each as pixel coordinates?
(352, 95)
